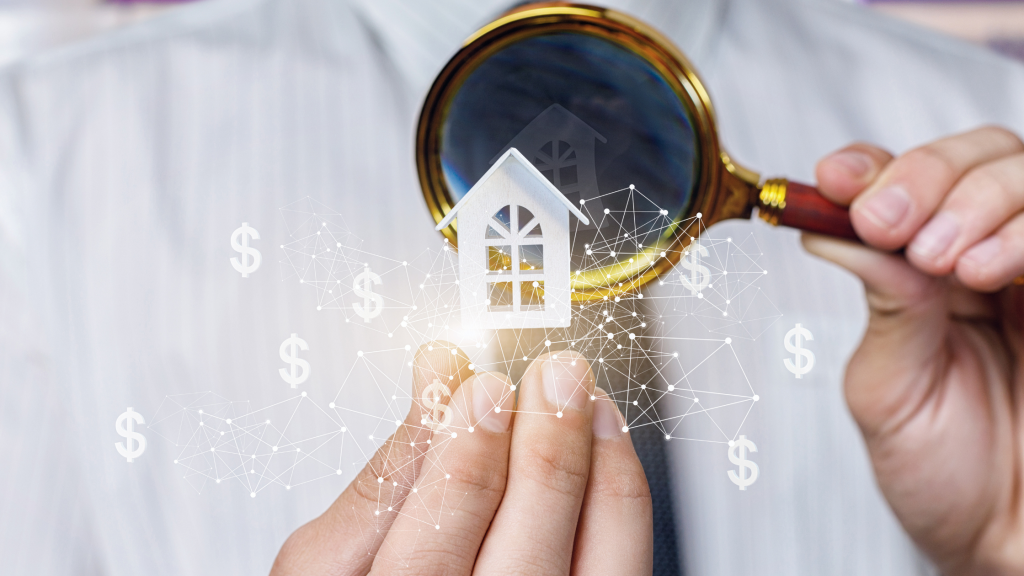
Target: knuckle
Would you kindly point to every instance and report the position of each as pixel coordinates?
(931, 159)
(996, 132)
(622, 483)
(988, 181)
(439, 556)
(368, 489)
(483, 475)
(552, 464)
(539, 563)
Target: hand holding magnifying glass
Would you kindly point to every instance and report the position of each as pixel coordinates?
(935, 385)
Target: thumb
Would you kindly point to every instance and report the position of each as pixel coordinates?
(344, 540)
(892, 371)
(846, 173)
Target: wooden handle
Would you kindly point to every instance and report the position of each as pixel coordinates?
(801, 206)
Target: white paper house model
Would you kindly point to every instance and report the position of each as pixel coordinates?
(513, 235)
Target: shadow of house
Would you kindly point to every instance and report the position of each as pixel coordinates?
(561, 146)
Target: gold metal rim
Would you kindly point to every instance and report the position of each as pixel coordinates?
(635, 36)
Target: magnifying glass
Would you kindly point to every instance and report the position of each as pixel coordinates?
(599, 102)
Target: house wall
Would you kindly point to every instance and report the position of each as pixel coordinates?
(514, 184)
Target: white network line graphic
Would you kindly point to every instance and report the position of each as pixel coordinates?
(630, 340)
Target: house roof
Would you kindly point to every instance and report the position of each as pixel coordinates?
(511, 154)
(544, 120)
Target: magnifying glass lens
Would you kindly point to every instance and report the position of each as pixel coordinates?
(593, 117)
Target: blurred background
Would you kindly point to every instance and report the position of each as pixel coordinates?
(28, 26)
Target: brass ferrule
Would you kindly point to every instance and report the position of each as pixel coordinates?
(772, 200)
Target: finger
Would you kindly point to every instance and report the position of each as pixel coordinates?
(996, 261)
(549, 463)
(985, 198)
(847, 172)
(906, 331)
(615, 535)
(457, 492)
(891, 211)
(344, 539)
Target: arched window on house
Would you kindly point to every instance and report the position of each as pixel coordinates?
(515, 261)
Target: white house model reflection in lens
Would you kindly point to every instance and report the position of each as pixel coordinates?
(562, 148)
(513, 235)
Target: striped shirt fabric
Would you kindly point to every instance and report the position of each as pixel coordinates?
(126, 162)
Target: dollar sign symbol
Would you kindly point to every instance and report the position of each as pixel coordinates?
(793, 345)
(743, 479)
(700, 276)
(243, 266)
(126, 431)
(290, 355)
(363, 287)
(432, 401)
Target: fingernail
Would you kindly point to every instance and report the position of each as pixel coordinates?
(985, 251)
(567, 380)
(608, 420)
(936, 237)
(856, 164)
(888, 206)
(492, 402)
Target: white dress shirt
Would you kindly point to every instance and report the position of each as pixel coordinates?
(127, 161)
